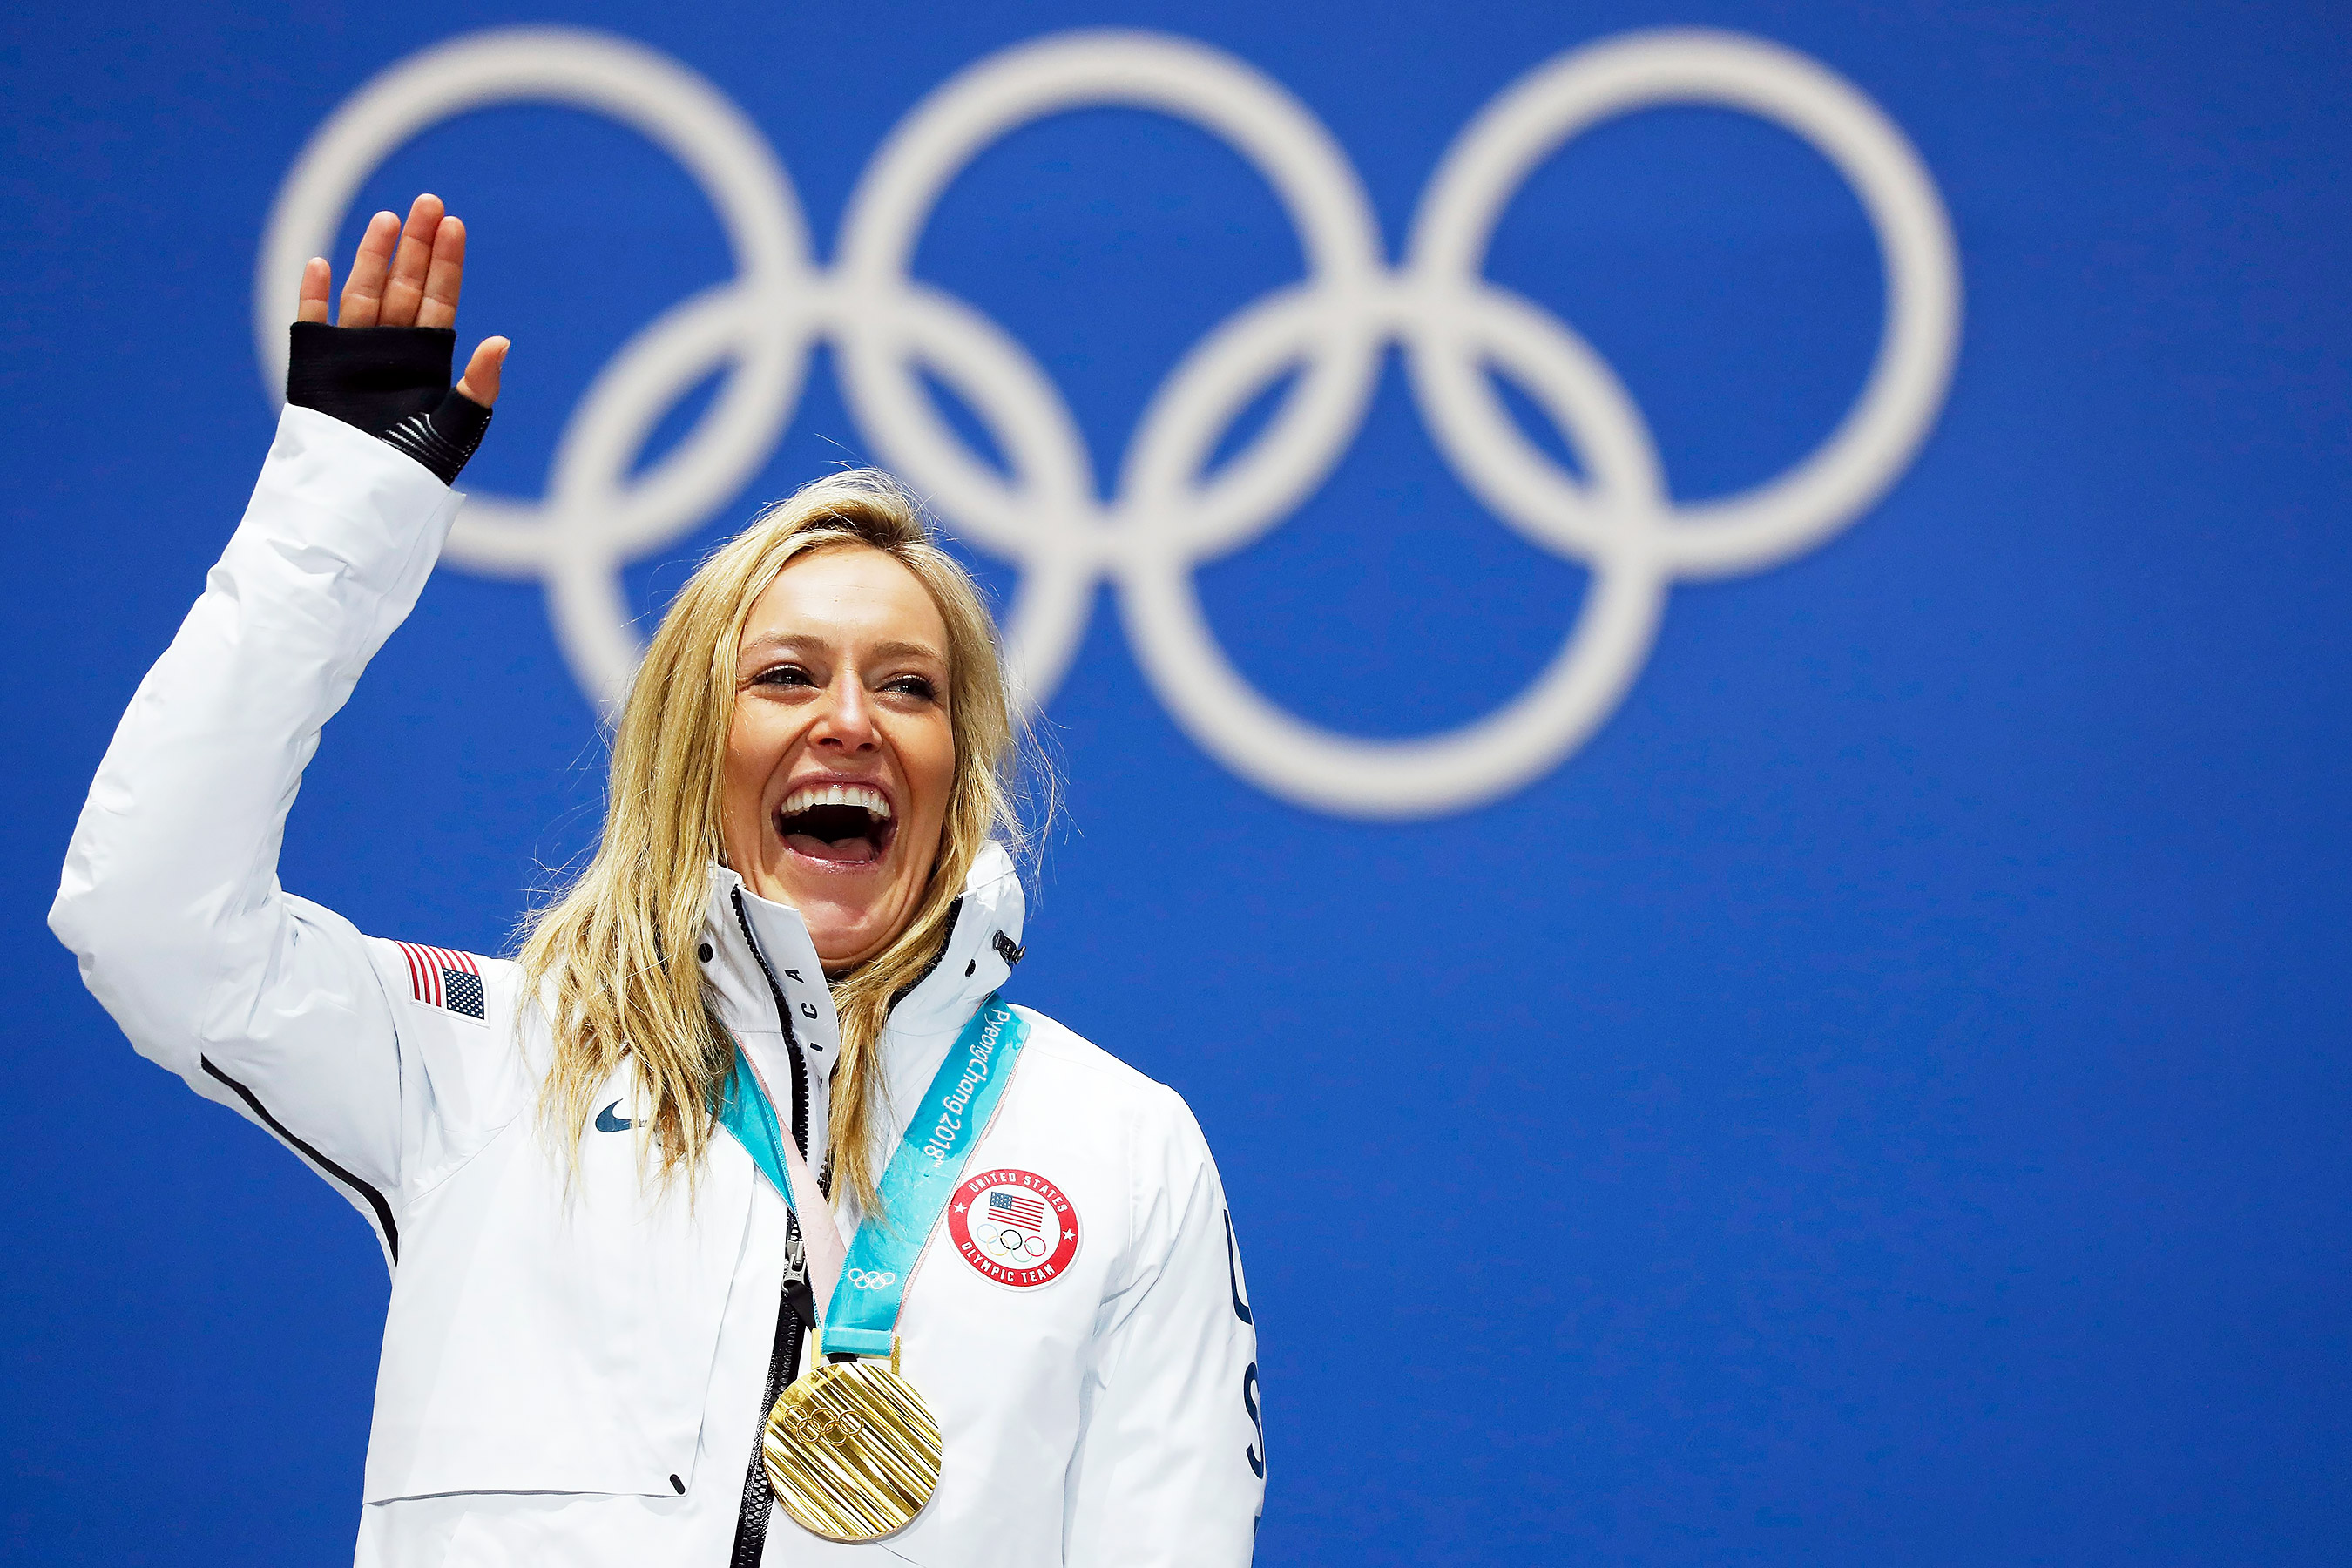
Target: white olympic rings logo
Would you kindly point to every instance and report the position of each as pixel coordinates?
(870, 1279)
(1164, 517)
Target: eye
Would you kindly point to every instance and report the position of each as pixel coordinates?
(918, 687)
(782, 675)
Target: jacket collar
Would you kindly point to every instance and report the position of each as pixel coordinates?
(753, 941)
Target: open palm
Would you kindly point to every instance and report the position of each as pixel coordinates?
(407, 275)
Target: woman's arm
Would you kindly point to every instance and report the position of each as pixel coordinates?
(1171, 1468)
(170, 896)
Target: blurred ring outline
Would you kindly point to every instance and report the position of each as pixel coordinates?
(1163, 518)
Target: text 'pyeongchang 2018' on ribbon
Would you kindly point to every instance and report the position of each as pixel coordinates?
(975, 1073)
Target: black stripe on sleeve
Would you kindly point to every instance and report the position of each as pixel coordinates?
(376, 1199)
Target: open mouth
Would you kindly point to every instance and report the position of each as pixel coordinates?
(846, 824)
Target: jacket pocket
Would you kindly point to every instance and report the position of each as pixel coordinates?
(546, 1339)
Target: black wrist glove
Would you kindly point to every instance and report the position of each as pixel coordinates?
(394, 383)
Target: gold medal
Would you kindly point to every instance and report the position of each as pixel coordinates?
(852, 1451)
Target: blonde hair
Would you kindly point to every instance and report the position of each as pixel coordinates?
(614, 959)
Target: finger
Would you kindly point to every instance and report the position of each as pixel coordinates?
(364, 289)
(406, 286)
(439, 306)
(480, 381)
(317, 278)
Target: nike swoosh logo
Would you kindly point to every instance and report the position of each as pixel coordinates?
(608, 1122)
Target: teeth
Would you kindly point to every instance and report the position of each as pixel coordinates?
(811, 796)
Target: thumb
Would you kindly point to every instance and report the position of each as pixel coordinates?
(480, 381)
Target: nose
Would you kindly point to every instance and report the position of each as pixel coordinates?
(845, 723)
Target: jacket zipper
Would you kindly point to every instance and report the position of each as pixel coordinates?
(785, 1020)
(784, 1356)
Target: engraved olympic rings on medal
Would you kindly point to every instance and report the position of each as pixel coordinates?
(800, 1423)
(1164, 517)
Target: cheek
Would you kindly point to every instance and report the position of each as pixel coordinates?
(931, 768)
(755, 745)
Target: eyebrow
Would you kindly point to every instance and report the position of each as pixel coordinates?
(788, 642)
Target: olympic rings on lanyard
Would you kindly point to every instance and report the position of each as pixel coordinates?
(1164, 518)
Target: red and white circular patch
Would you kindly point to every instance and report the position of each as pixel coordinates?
(1015, 1227)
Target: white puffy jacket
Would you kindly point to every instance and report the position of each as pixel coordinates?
(582, 1382)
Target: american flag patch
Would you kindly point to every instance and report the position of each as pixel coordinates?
(1026, 1212)
(440, 978)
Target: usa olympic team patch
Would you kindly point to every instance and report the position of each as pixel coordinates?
(1015, 1227)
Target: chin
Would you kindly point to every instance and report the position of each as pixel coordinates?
(847, 922)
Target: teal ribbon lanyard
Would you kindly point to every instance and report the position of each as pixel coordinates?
(744, 1110)
(923, 1173)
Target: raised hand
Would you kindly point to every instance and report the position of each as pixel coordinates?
(407, 275)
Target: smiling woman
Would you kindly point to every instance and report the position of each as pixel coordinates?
(835, 675)
(663, 1196)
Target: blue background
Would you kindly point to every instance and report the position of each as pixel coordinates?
(1882, 1100)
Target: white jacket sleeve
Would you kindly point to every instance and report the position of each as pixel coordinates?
(170, 899)
(1171, 1468)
